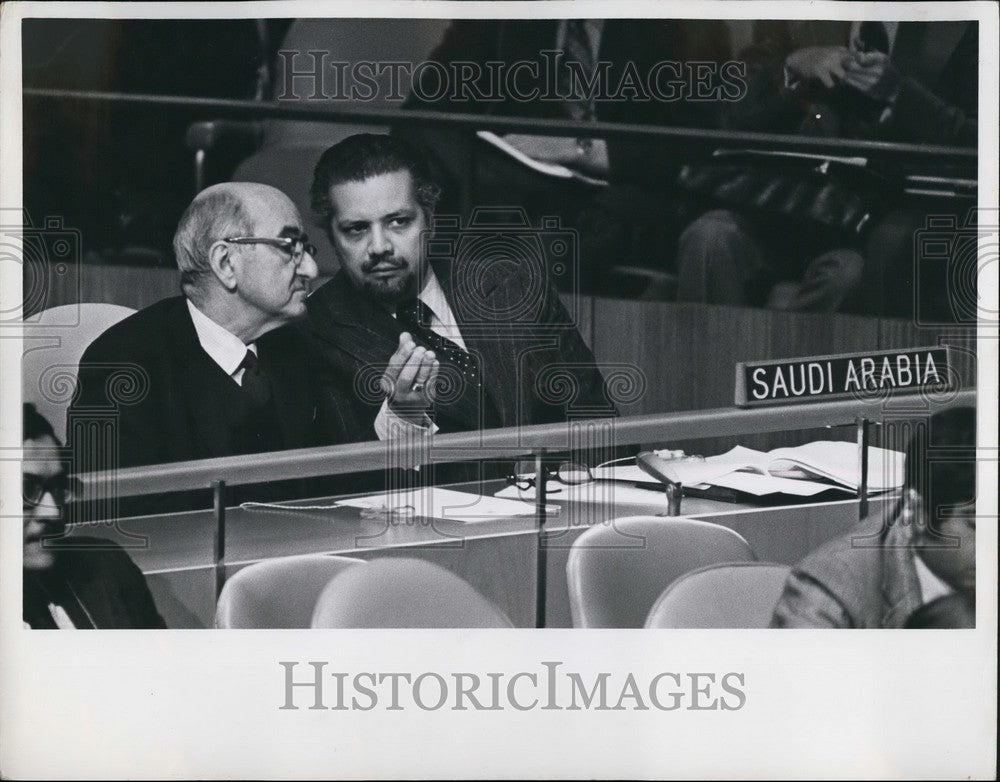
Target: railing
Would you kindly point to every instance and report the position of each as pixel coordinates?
(493, 443)
(534, 441)
(682, 139)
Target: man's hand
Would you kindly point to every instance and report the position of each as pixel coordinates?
(825, 64)
(874, 75)
(410, 379)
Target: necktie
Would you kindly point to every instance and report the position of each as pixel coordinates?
(256, 385)
(874, 37)
(415, 317)
(577, 48)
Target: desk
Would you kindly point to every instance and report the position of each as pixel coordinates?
(498, 557)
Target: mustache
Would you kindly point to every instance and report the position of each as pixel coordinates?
(384, 262)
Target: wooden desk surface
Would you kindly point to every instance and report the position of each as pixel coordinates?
(497, 556)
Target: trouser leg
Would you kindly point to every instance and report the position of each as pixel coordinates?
(720, 260)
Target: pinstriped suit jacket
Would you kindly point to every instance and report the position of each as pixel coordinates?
(536, 367)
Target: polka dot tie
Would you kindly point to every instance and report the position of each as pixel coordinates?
(415, 316)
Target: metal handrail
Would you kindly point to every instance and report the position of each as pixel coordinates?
(507, 443)
(331, 111)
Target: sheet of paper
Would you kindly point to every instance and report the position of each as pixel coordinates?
(541, 166)
(832, 459)
(437, 503)
(838, 460)
(761, 485)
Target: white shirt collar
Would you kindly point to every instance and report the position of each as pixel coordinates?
(443, 321)
(433, 296)
(931, 586)
(223, 347)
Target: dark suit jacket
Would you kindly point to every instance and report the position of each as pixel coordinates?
(519, 354)
(98, 586)
(150, 373)
(149, 379)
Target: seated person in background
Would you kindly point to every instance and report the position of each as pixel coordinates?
(73, 582)
(878, 575)
(474, 342)
(796, 237)
(213, 372)
(585, 70)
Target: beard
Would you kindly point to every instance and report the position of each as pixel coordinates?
(392, 290)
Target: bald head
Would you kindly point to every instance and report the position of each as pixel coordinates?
(227, 209)
(245, 260)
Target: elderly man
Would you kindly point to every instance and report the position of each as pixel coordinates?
(879, 575)
(75, 582)
(472, 341)
(214, 372)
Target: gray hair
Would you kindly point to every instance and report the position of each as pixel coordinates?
(215, 213)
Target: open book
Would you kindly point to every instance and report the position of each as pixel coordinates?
(542, 167)
(803, 470)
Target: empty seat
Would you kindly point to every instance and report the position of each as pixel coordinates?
(404, 593)
(54, 341)
(733, 595)
(278, 593)
(616, 571)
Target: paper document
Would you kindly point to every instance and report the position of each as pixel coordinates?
(437, 503)
(762, 485)
(721, 474)
(838, 462)
(541, 166)
(817, 463)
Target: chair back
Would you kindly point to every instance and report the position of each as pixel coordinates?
(291, 149)
(738, 595)
(278, 593)
(54, 341)
(289, 167)
(617, 571)
(351, 41)
(404, 593)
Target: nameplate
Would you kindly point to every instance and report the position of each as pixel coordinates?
(871, 375)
